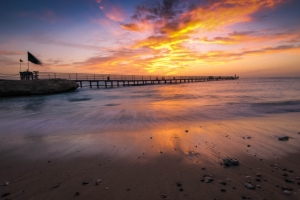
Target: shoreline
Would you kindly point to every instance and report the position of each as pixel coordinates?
(149, 163)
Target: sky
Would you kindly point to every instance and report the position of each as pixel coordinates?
(251, 38)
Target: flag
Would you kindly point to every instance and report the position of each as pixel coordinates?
(33, 59)
(21, 60)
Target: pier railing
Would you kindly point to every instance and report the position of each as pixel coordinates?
(103, 77)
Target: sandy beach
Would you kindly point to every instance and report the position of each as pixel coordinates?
(165, 162)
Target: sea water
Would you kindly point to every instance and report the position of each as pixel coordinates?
(91, 109)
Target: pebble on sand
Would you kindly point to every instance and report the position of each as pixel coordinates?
(222, 182)
(5, 194)
(207, 179)
(285, 138)
(230, 161)
(98, 181)
(6, 183)
(287, 192)
(249, 186)
(85, 182)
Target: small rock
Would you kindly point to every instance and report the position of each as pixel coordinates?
(207, 179)
(98, 181)
(5, 194)
(178, 184)
(286, 188)
(77, 193)
(180, 189)
(128, 189)
(248, 137)
(186, 131)
(85, 182)
(298, 178)
(287, 192)
(223, 190)
(285, 138)
(203, 168)
(288, 180)
(150, 137)
(230, 161)
(163, 196)
(6, 184)
(258, 175)
(248, 145)
(222, 182)
(258, 180)
(55, 186)
(258, 186)
(249, 186)
(291, 171)
(107, 188)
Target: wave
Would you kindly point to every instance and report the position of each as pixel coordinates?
(278, 103)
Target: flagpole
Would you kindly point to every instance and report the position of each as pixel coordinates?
(28, 66)
(20, 66)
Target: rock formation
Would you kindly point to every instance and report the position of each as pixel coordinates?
(35, 87)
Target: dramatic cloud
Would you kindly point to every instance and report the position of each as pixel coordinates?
(166, 36)
(176, 24)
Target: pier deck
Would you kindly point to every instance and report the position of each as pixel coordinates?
(112, 80)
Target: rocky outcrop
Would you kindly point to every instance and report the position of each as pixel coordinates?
(35, 87)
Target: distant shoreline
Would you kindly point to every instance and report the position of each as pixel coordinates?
(10, 88)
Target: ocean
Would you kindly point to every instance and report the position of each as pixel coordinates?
(87, 110)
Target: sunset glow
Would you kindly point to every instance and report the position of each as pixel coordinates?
(163, 37)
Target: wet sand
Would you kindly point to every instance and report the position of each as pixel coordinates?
(161, 162)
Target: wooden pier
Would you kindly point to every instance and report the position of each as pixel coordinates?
(123, 81)
(115, 80)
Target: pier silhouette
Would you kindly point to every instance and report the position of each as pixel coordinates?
(117, 80)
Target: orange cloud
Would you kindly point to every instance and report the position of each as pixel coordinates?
(252, 37)
(216, 15)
